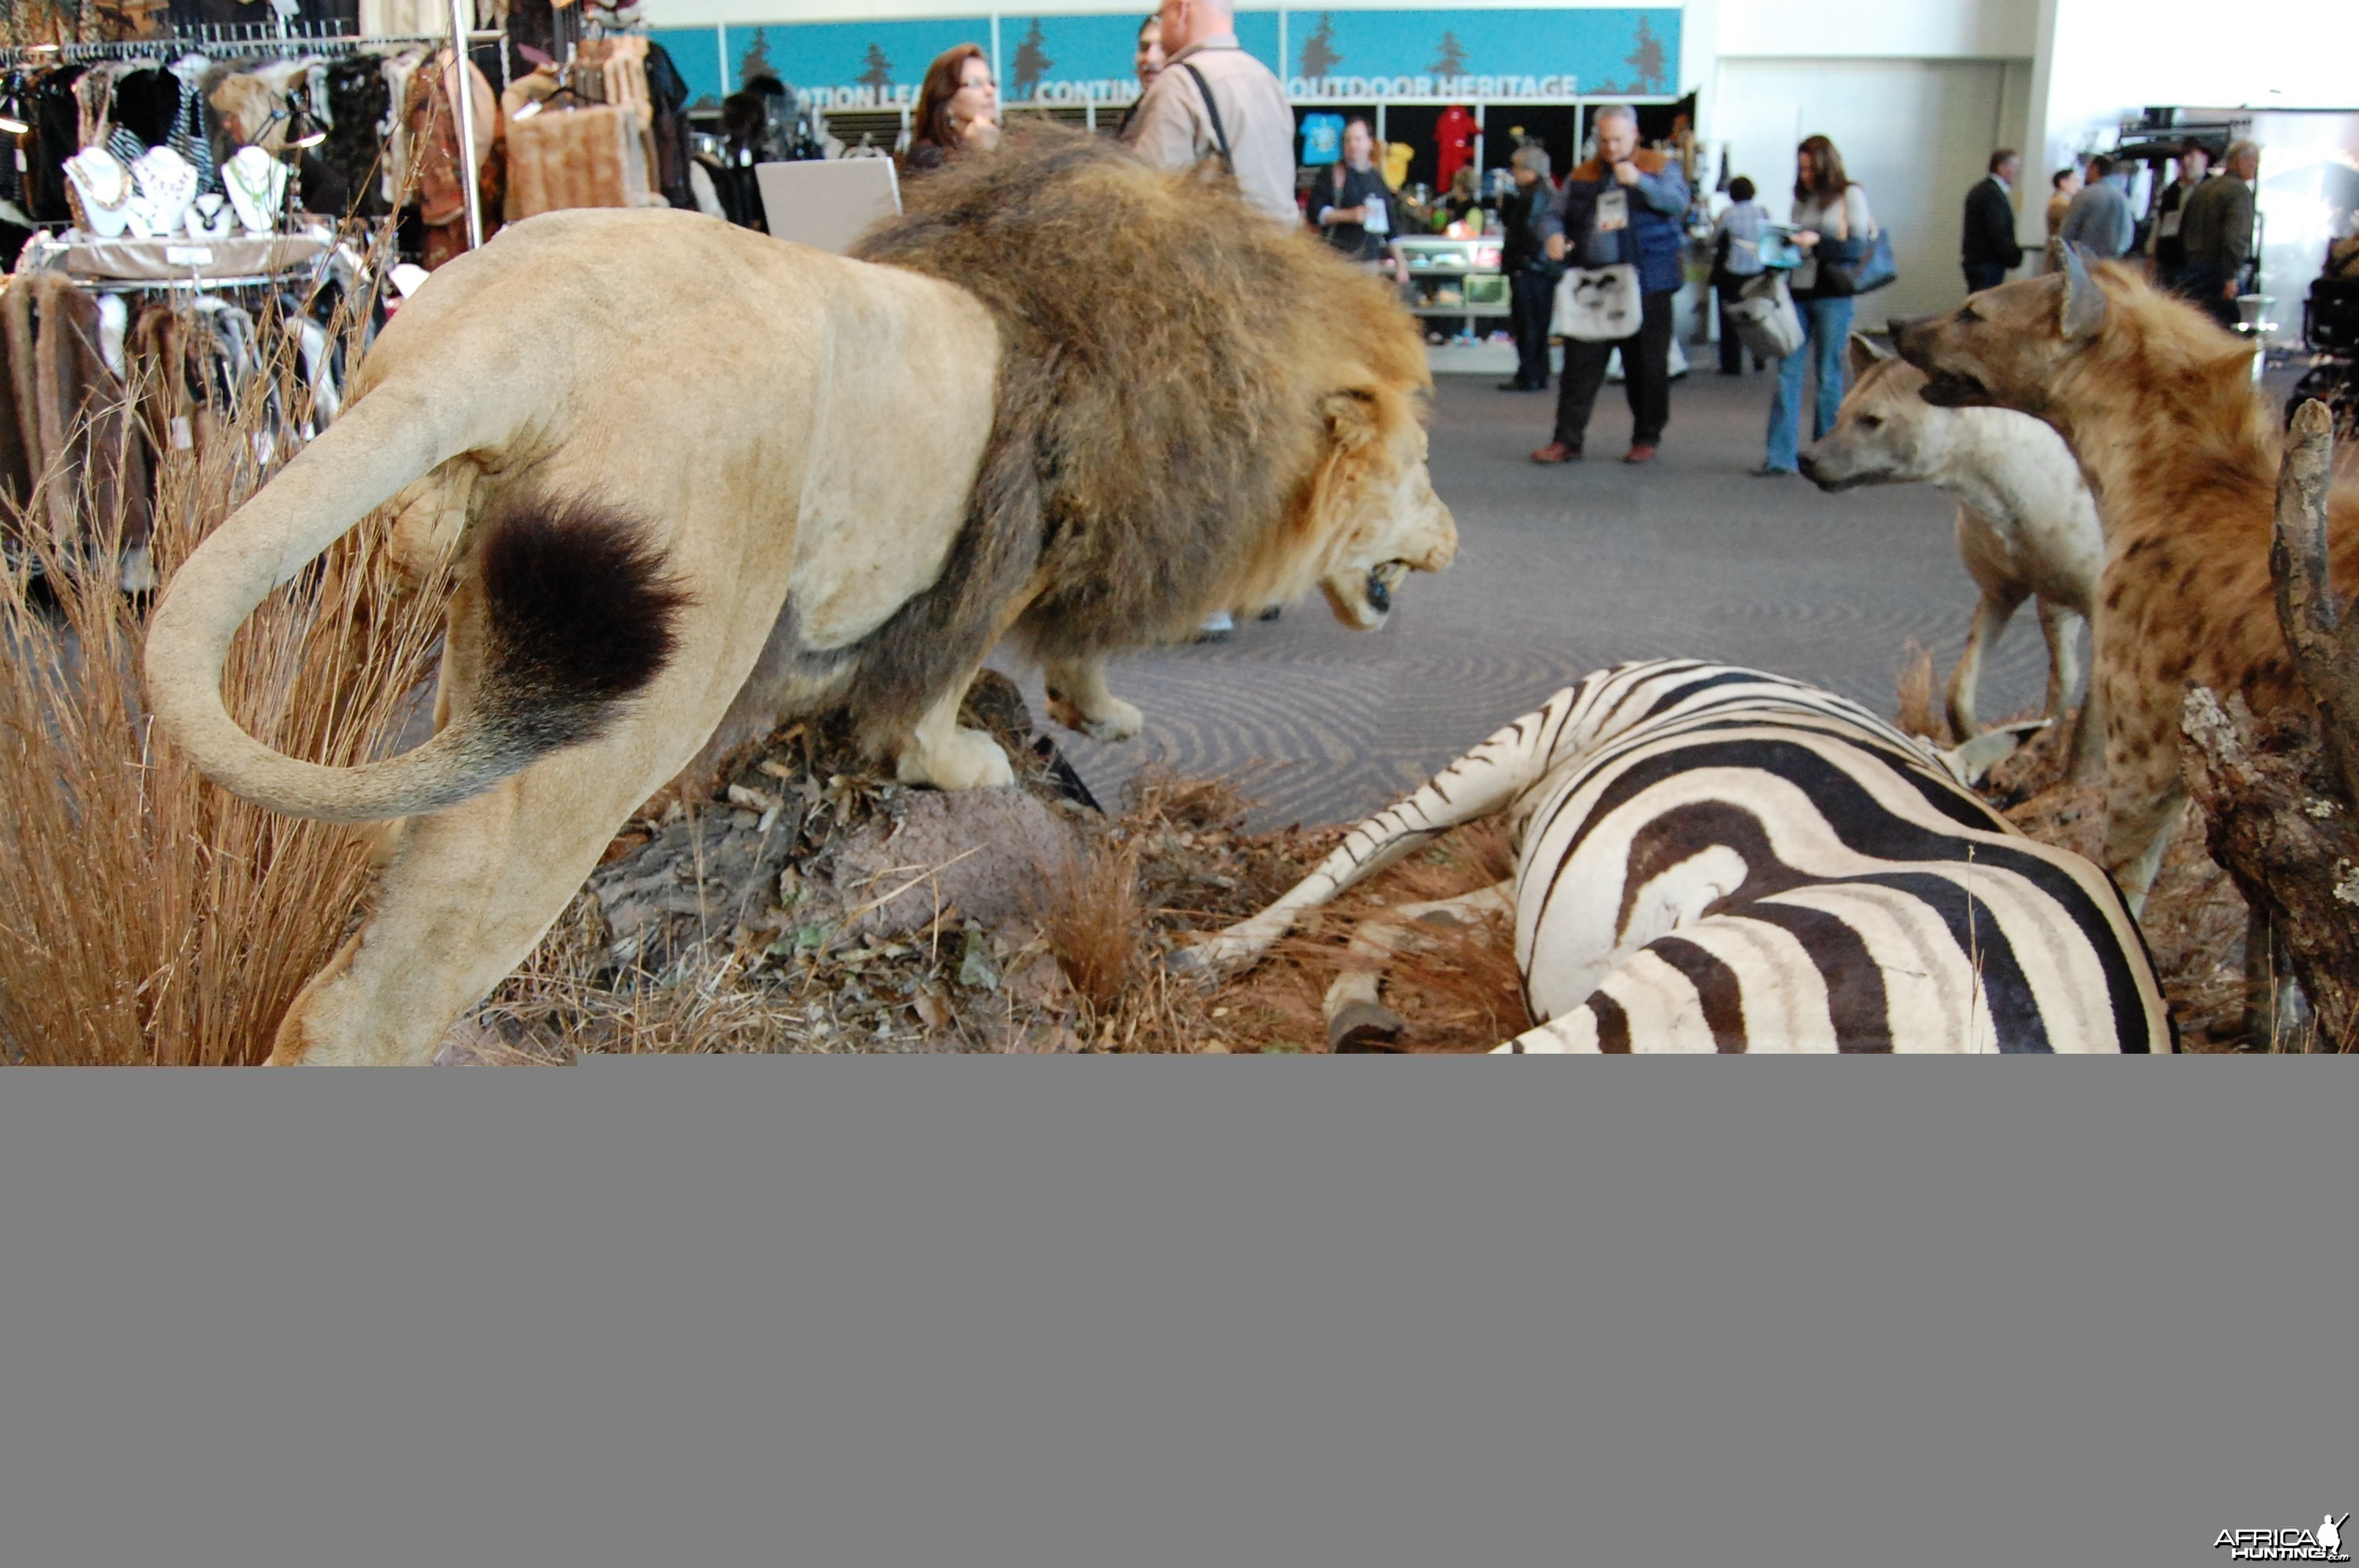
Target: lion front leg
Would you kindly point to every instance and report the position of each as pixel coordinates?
(944, 753)
(1077, 699)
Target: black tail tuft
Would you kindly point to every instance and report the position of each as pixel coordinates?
(580, 615)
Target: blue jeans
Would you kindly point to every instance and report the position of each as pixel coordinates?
(1826, 333)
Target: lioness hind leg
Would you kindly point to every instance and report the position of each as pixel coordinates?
(940, 752)
(1077, 699)
(468, 892)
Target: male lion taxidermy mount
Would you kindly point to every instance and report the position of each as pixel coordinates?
(1080, 404)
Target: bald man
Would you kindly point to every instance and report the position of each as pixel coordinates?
(1176, 128)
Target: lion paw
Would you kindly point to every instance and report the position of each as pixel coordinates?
(1116, 721)
(968, 759)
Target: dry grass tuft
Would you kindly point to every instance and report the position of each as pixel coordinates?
(150, 916)
(1095, 923)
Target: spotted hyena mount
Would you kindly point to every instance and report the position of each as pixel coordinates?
(2026, 526)
(2159, 406)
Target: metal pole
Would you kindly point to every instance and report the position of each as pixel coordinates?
(464, 91)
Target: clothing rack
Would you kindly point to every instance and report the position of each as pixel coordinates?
(228, 39)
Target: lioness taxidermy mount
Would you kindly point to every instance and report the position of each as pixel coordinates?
(688, 480)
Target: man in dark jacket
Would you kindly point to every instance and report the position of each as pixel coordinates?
(1989, 251)
(1531, 277)
(1622, 207)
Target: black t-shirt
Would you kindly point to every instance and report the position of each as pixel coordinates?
(1353, 189)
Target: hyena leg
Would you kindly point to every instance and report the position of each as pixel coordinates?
(1484, 781)
(1351, 1007)
(1077, 699)
(2143, 793)
(1991, 613)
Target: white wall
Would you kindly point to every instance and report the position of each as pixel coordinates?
(2101, 61)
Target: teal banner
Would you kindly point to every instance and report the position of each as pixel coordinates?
(1342, 56)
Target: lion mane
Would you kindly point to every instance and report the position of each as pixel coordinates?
(1160, 442)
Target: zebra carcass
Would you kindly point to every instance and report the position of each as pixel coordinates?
(1713, 859)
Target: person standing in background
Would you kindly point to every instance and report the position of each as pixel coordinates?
(958, 109)
(1832, 226)
(1531, 279)
(2170, 211)
(1625, 206)
(1736, 261)
(1353, 199)
(2218, 233)
(2062, 186)
(1149, 62)
(2099, 221)
(1215, 101)
(1989, 250)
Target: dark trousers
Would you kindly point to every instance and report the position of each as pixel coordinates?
(1530, 298)
(2205, 285)
(1729, 290)
(1984, 274)
(1646, 377)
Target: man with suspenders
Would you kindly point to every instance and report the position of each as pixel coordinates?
(1215, 101)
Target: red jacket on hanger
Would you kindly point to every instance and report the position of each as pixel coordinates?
(1453, 140)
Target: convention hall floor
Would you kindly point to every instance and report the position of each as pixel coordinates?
(1560, 572)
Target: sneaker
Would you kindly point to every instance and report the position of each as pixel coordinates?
(1216, 628)
(1767, 472)
(1640, 452)
(1557, 452)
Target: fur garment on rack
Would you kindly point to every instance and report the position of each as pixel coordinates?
(575, 158)
(73, 420)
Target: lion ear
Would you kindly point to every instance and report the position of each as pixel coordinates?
(1351, 416)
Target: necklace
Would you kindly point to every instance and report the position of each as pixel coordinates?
(255, 181)
(211, 218)
(166, 184)
(102, 191)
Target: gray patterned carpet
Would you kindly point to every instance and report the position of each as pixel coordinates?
(1560, 572)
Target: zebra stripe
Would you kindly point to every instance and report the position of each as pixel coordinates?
(1713, 859)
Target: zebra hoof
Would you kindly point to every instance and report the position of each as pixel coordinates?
(1365, 1028)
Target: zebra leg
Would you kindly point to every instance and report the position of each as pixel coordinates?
(1484, 781)
(1355, 1016)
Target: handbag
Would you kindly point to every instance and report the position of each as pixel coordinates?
(1765, 318)
(1867, 267)
(1597, 304)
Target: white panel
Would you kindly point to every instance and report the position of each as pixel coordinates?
(1917, 134)
(1910, 29)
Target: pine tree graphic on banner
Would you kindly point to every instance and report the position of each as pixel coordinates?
(1450, 60)
(756, 61)
(875, 69)
(1646, 60)
(1031, 63)
(1319, 56)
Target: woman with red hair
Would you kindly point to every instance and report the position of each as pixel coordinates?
(958, 109)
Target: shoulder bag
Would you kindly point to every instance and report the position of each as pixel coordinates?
(1764, 317)
(1597, 304)
(1211, 112)
(1862, 267)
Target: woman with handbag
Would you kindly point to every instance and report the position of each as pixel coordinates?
(1835, 233)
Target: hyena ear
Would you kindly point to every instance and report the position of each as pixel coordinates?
(2083, 311)
(1351, 416)
(1866, 354)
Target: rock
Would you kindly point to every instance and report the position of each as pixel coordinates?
(985, 852)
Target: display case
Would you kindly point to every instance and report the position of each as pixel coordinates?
(1453, 278)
